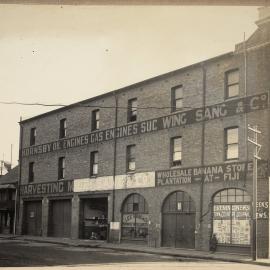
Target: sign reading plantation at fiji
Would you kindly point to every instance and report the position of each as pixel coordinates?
(215, 173)
(225, 109)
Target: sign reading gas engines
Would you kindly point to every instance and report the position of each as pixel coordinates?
(225, 109)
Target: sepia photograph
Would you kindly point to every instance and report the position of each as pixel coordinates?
(134, 134)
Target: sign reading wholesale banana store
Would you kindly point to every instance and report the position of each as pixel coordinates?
(225, 109)
(56, 187)
(214, 173)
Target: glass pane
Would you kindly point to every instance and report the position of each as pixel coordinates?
(178, 103)
(232, 151)
(131, 165)
(177, 156)
(95, 168)
(239, 198)
(178, 93)
(232, 135)
(97, 115)
(231, 191)
(131, 151)
(233, 90)
(95, 157)
(224, 192)
(239, 192)
(233, 77)
(231, 198)
(177, 143)
(241, 232)
(222, 229)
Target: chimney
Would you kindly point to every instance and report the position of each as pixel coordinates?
(264, 15)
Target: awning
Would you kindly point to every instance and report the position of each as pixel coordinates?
(5, 186)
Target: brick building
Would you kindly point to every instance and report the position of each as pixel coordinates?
(8, 185)
(163, 162)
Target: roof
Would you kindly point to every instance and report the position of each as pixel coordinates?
(10, 177)
(138, 84)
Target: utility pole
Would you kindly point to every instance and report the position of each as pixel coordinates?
(257, 148)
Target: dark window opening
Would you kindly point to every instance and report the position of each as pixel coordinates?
(132, 110)
(61, 168)
(95, 120)
(63, 128)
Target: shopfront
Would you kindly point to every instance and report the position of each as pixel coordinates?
(232, 220)
(94, 218)
(178, 221)
(135, 219)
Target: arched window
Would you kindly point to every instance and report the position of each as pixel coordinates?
(231, 216)
(135, 217)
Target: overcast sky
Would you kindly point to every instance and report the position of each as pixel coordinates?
(64, 54)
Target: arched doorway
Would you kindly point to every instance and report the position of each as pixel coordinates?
(135, 218)
(178, 221)
(231, 219)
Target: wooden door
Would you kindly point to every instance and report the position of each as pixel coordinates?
(32, 218)
(60, 218)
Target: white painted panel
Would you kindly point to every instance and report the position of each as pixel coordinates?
(136, 180)
(93, 184)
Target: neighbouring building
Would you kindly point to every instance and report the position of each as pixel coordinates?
(163, 162)
(8, 185)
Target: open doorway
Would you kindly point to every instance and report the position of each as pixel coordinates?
(94, 218)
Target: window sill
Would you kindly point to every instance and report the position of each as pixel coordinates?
(130, 172)
(93, 176)
(231, 160)
(231, 98)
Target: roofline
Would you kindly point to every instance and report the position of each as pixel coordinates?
(125, 88)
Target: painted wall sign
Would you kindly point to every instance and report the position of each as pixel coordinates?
(225, 109)
(215, 173)
(47, 188)
(262, 210)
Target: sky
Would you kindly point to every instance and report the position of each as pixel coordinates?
(64, 54)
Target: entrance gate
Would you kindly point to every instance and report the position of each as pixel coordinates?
(178, 221)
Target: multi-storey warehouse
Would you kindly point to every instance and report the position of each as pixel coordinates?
(163, 162)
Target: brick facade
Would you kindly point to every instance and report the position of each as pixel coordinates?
(202, 144)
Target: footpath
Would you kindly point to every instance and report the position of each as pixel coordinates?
(176, 252)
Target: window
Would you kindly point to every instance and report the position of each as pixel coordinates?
(63, 128)
(231, 216)
(232, 83)
(61, 168)
(177, 98)
(132, 110)
(94, 163)
(95, 120)
(31, 172)
(131, 166)
(135, 218)
(176, 146)
(33, 134)
(231, 143)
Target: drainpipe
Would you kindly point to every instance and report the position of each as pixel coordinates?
(114, 156)
(202, 146)
(17, 194)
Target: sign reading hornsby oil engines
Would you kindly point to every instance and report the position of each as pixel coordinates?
(47, 188)
(215, 173)
(225, 109)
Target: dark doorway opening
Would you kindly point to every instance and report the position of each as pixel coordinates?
(94, 218)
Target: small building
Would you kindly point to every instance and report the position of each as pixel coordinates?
(163, 162)
(8, 184)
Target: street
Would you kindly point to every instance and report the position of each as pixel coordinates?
(17, 253)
